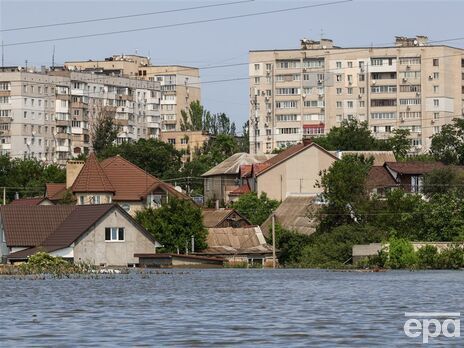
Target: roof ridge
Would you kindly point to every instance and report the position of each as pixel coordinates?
(132, 164)
(86, 175)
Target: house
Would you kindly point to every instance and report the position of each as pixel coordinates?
(55, 192)
(32, 201)
(379, 157)
(293, 172)
(409, 175)
(114, 179)
(238, 245)
(217, 218)
(295, 213)
(225, 177)
(103, 234)
(380, 180)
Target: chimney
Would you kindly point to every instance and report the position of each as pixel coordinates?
(307, 140)
(73, 168)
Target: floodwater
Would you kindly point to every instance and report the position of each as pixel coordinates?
(226, 307)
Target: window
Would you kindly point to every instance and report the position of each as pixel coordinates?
(172, 141)
(256, 67)
(350, 90)
(436, 102)
(383, 89)
(383, 102)
(339, 104)
(184, 141)
(361, 77)
(436, 89)
(410, 101)
(288, 64)
(350, 64)
(383, 115)
(287, 118)
(287, 91)
(410, 88)
(289, 104)
(339, 91)
(349, 78)
(362, 104)
(436, 115)
(95, 199)
(114, 234)
(410, 60)
(350, 104)
(362, 90)
(287, 130)
(339, 65)
(436, 75)
(256, 80)
(435, 62)
(338, 77)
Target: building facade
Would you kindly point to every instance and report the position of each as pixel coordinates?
(49, 114)
(411, 85)
(180, 85)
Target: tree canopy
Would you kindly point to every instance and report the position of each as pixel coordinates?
(104, 130)
(448, 145)
(174, 224)
(255, 209)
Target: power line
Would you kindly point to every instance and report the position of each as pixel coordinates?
(210, 20)
(123, 17)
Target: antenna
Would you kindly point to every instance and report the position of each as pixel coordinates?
(53, 58)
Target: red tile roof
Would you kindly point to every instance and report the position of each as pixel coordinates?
(379, 177)
(414, 167)
(240, 190)
(132, 183)
(28, 201)
(92, 178)
(245, 170)
(55, 192)
(285, 155)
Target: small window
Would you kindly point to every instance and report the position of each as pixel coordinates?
(114, 233)
(435, 62)
(81, 200)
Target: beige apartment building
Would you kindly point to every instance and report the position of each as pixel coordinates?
(180, 85)
(189, 142)
(48, 114)
(411, 84)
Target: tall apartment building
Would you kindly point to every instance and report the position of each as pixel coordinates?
(48, 114)
(180, 85)
(411, 85)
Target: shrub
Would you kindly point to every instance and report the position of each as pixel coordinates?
(401, 254)
(451, 257)
(427, 256)
(43, 263)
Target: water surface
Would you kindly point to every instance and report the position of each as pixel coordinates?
(225, 308)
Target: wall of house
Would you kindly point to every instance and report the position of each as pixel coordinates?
(296, 176)
(88, 197)
(3, 247)
(215, 187)
(93, 248)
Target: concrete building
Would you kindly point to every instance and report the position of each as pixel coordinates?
(186, 141)
(411, 85)
(49, 114)
(180, 85)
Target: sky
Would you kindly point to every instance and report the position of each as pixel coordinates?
(223, 42)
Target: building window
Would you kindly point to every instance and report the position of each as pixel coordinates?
(435, 62)
(339, 91)
(339, 65)
(436, 102)
(95, 200)
(81, 200)
(114, 233)
(184, 141)
(436, 89)
(256, 67)
(172, 141)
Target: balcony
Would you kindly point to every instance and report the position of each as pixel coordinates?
(62, 123)
(79, 105)
(62, 148)
(62, 135)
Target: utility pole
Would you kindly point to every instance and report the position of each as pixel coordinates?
(254, 118)
(273, 242)
(4, 195)
(193, 243)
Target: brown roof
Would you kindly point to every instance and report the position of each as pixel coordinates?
(245, 170)
(213, 217)
(285, 155)
(29, 226)
(55, 192)
(92, 178)
(240, 190)
(230, 240)
(379, 177)
(294, 214)
(132, 183)
(231, 165)
(414, 167)
(29, 201)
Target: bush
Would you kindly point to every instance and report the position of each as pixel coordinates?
(43, 263)
(451, 258)
(427, 257)
(401, 254)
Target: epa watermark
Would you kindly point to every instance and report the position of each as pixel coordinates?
(432, 324)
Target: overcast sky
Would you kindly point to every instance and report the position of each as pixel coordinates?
(356, 23)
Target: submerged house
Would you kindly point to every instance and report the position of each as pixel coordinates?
(101, 234)
(114, 179)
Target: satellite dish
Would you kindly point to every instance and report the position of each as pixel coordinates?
(415, 42)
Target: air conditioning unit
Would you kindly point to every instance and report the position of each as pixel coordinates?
(269, 111)
(405, 79)
(303, 95)
(374, 82)
(350, 83)
(408, 108)
(417, 94)
(266, 98)
(360, 96)
(401, 119)
(263, 93)
(268, 72)
(432, 121)
(321, 95)
(408, 67)
(320, 82)
(430, 77)
(269, 137)
(419, 135)
(305, 70)
(266, 125)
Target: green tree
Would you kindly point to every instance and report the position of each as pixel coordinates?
(195, 117)
(255, 209)
(343, 186)
(442, 181)
(400, 143)
(448, 145)
(104, 130)
(401, 254)
(174, 224)
(156, 157)
(352, 135)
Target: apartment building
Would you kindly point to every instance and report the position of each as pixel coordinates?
(48, 114)
(180, 85)
(411, 84)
